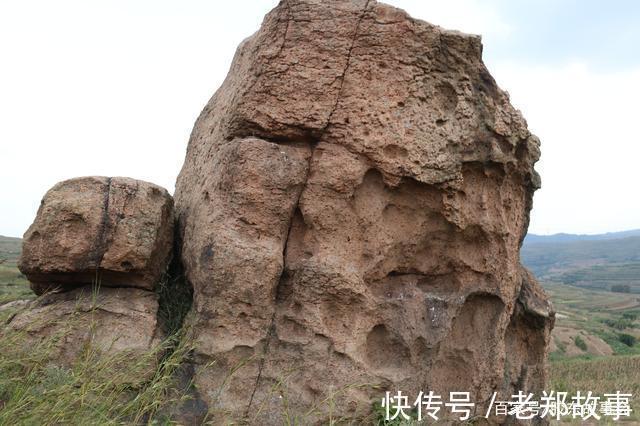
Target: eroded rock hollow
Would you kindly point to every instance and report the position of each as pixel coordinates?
(350, 210)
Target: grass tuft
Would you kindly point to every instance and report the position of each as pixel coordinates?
(97, 388)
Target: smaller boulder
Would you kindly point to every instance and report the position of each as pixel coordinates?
(117, 230)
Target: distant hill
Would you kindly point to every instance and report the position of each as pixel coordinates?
(592, 261)
(565, 238)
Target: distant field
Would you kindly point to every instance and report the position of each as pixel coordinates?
(586, 351)
(605, 277)
(13, 285)
(590, 263)
(598, 318)
(10, 250)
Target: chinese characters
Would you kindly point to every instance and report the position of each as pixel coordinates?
(521, 405)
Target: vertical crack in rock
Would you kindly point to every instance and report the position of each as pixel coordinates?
(270, 333)
(260, 70)
(130, 194)
(272, 324)
(344, 71)
(286, 28)
(101, 242)
(312, 144)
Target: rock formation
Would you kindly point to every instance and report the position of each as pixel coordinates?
(111, 320)
(119, 226)
(350, 210)
(95, 252)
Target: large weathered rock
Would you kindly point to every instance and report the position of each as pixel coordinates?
(119, 227)
(351, 209)
(111, 322)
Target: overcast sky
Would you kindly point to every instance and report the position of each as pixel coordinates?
(114, 87)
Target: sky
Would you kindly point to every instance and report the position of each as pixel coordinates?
(113, 88)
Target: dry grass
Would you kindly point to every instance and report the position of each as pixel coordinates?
(97, 390)
(600, 376)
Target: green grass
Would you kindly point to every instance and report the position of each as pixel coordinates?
(599, 313)
(10, 249)
(580, 343)
(97, 389)
(13, 285)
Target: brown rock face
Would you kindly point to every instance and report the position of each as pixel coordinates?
(121, 227)
(114, 232)
(351, 209)
(112, 325)
(111, 320)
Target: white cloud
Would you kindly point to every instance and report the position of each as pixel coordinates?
(113, 88)
(588, 124)
(469, 16)
(106, 88)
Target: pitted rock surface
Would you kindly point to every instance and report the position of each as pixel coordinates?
(119, 230)
(351, 209)
(118, 322)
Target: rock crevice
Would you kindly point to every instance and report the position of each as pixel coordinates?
(101, 241)
(271, 330)
(345, 70)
